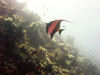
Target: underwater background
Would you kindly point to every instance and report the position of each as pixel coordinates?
(26, 49)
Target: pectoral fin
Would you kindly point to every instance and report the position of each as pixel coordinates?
(60, 31)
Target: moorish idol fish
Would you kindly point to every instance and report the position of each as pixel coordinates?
(53, 27)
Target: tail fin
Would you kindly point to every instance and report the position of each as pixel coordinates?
(46, 28)
(60, 31)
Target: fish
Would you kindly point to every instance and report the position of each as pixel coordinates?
(54, 26)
